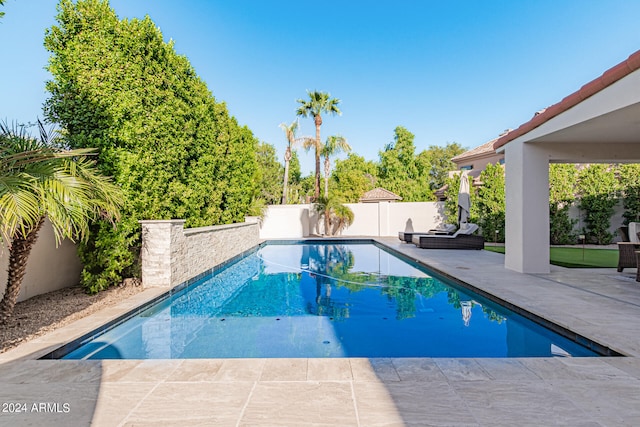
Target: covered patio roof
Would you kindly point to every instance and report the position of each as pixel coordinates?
(599, 123)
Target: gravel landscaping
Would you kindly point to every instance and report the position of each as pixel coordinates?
(44, 313)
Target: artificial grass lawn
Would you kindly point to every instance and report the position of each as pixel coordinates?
(573, 257)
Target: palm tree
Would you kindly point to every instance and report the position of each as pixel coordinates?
(343, 217)
(334, 213)
(318, 103)
(333, 145)
(290, 133)
(38, 180)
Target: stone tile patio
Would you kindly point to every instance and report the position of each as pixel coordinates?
(602, 305)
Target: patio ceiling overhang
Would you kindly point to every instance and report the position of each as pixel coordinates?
(600, 123)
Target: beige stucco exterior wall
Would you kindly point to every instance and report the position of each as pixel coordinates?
(480, 163)
(172, 254)
(49, 268)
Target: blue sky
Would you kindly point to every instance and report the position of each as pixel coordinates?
(449, 71)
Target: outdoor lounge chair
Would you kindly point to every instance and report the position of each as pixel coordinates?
(407, 236)
(461, 239)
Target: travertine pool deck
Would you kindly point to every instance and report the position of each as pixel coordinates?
(600, 304)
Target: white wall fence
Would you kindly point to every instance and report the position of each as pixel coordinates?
(380, 219)
(370, 219)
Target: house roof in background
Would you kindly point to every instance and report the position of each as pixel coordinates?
(379, 195)
(480, 151)
(609, 77)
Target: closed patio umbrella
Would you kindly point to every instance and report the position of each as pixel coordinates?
(464, 199)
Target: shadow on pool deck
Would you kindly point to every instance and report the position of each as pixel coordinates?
(601, 305)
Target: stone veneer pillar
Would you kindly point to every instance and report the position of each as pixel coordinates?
(172, 255)
(157, 242)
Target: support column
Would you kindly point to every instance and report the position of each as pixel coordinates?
(527, 208)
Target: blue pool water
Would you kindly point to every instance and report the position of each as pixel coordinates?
(325, 300)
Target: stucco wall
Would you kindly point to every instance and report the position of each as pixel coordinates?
(421, 216)
(615, 221)
(171, 254)
(366, 220)
(370, 219)
(49, 268)
(480, 163)
(291, 221)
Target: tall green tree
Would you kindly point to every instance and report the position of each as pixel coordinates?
(334, 145)
(38, 180)
(295, 172)
(436, 161)
(597, 186)
(630, 188)
(175, 151)
(352, 177)
(290, 134)
(269, 176)
(307, 188)
(295, 191)
(318, 103)
(491, 203)
(399, 172)
(562, 190)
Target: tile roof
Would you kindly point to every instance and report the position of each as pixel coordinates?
(486, 148)
(609, 77)
(379, 194)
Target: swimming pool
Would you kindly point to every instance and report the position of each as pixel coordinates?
(324, 300)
